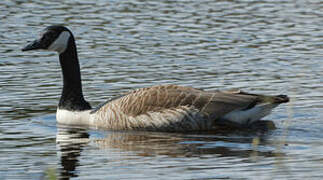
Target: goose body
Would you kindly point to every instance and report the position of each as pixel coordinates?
(158, 108)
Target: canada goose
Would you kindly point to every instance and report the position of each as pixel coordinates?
(157, 108)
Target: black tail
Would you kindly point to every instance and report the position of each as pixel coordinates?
(281, 99)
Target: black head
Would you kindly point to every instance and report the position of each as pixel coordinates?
(53, 38)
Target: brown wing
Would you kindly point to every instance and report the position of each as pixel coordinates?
(158, 98)
(213, 104)
(223, 102)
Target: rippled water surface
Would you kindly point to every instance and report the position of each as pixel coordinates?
(272, 47)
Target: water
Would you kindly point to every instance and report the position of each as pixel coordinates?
(272, 47)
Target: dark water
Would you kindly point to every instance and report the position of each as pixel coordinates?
(272, 47)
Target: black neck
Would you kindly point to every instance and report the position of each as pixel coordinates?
(72, 97)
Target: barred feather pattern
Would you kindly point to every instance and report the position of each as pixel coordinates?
(162, 108)
(174, 108)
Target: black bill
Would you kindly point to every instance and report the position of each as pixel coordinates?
(32, 46)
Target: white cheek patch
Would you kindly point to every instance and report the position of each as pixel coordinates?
(61, 43)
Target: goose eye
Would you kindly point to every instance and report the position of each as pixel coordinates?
(49, 35)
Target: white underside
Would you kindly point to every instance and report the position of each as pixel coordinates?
(80, 118)
(250, 116)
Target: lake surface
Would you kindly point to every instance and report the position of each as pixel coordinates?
(271, 47)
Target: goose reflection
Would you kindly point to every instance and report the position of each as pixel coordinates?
(71, 141)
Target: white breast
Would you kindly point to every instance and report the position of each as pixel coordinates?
(81, 118)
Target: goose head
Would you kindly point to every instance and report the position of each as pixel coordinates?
(52, 38)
